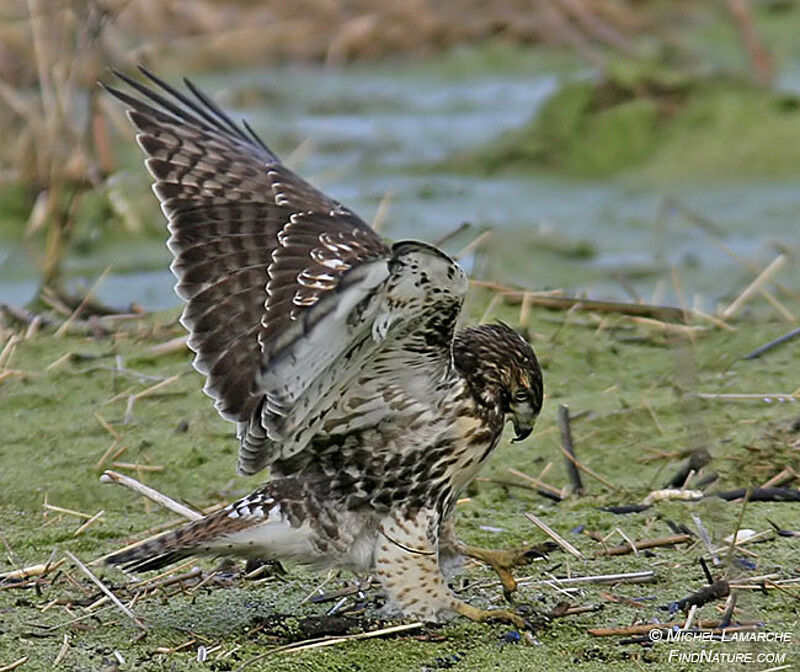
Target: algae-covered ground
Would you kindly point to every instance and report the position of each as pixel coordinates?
(630, 388)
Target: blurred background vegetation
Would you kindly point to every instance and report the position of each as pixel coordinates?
(602, 146)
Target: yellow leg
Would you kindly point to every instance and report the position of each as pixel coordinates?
(501, 561)
(483, 615)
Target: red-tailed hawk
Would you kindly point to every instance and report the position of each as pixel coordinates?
(338, 359)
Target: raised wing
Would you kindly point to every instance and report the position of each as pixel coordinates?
(301, 318)
(255, 246)
(376, 354)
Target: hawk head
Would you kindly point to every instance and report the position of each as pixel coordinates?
(502, 372)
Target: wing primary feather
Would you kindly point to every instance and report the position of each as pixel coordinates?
(179, 114)
(222, 117)
(172, 91)
(257, 138)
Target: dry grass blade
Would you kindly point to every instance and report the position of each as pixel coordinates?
(32, 571)
(629, 577)
(383, 210)
(634, 546)
(177, 344)
(794, 333)
(116, 601)
(556, 301)
(569, 548)
(749, 396)
(330, 641)
(14, 665)
(473, 245)
(537, 482)
(64, 328)
(69, 512)
(8, 349)
(89, 522)
(62, 652)
(586, 469)
(764, 277)
(153, 495)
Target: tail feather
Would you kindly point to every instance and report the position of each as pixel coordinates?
(130, 561)
(207, 536)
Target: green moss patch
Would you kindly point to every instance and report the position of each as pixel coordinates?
(633, 426)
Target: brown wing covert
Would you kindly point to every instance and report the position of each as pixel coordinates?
(254, 245)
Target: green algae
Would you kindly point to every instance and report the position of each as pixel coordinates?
(52, 442)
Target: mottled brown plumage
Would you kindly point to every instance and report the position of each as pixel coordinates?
(337, 357)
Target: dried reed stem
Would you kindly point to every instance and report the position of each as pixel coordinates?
(151, 494)
(544, 527)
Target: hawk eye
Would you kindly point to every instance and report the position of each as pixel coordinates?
(522, 395)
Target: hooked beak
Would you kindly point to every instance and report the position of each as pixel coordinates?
(522, 431)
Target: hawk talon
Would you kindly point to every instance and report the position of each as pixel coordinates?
(513, 617)
(283, 288)
(503, 560)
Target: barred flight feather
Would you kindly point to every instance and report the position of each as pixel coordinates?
(335, 355)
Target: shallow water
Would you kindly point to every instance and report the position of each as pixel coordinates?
(369, 130)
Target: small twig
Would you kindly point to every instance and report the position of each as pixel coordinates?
(447, 237)
(684, 329)
(69, 512)
(383, 209)
(318, 589)
(764, 277)
(558, 302)
(767, 397)
(8, 349)
(135, 466)
(759, 494)
(762, 65)
(32, 571)
(89, 522)
(566, 442)
(472, 246)
(705, 537)
(546, 487)
(629, 547)
(727, 614)
(794, 333)
(68, 322)
(544, 527)
(168, 503)
(698, 459)
(690, 618)
(565, 609)
(62, 652)
(168, 347)
(14, 665)
(732, 547)
(105, 590)
(716, 591)
(512, 484)
(154, 388)
(631, 577)
(783, 476)
(586, 469)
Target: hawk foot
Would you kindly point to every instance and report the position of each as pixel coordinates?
(503, 560)
(513, 617)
